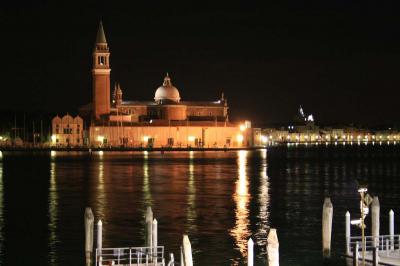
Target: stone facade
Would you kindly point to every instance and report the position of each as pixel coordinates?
(67, 131)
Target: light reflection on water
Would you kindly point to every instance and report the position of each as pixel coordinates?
(263, 198)
(191, 215)
(147, 200)
(241, 231)
(219, 198)
(53, 198)
(101, 199)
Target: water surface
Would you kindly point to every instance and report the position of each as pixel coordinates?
(219, 199)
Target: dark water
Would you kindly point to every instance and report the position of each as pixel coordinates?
(219, 198)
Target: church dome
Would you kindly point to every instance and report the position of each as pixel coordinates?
(167, 92)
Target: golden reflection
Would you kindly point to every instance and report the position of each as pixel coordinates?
(191, 214)
(53, 204)
(147, 198)
(101, 195)
(263, 197)
(241, 231)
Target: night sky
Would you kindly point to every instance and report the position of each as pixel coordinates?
(338, 59)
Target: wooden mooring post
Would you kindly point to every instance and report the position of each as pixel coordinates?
(375, 256)
(348, 233)
(375, 220)
(327, 214)
(149, 230)
(99, 240)
(187, 251)
(89, 227)
(155, 240)
(250, 252)
(355, 254)
(391, 229)
(273, 248)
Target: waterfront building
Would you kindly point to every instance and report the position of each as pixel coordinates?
(164, 121)
(67, 131)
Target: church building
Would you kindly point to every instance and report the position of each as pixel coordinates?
(165, 121)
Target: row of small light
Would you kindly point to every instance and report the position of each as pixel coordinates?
(265, 139)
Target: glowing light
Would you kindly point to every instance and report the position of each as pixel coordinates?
(53, 153)
(239, 138)
(100, 139)
(327, 137)
(191, 138)
(264, 139)
(1, 154)
(146, 138)
(1, 137)
(53, 138)
(242, 127)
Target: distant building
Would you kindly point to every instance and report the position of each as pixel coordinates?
(67, 131)
(165, 121)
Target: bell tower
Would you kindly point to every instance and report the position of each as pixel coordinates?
(101, 75)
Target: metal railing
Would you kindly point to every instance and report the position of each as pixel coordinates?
(383, 242)
(130, 256)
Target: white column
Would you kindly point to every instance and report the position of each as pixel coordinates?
(250, 252)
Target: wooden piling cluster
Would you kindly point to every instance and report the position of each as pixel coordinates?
(151, 240)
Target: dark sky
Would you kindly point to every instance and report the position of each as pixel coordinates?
(338, 59)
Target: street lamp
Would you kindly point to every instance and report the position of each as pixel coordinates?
(365, 201)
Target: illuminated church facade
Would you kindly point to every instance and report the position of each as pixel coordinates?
(165, 121)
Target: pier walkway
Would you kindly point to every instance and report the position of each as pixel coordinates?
(135, 256)
(388, 248)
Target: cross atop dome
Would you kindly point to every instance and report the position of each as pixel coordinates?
(167, 81)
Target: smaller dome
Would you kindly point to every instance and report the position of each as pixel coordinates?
(167, 92)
